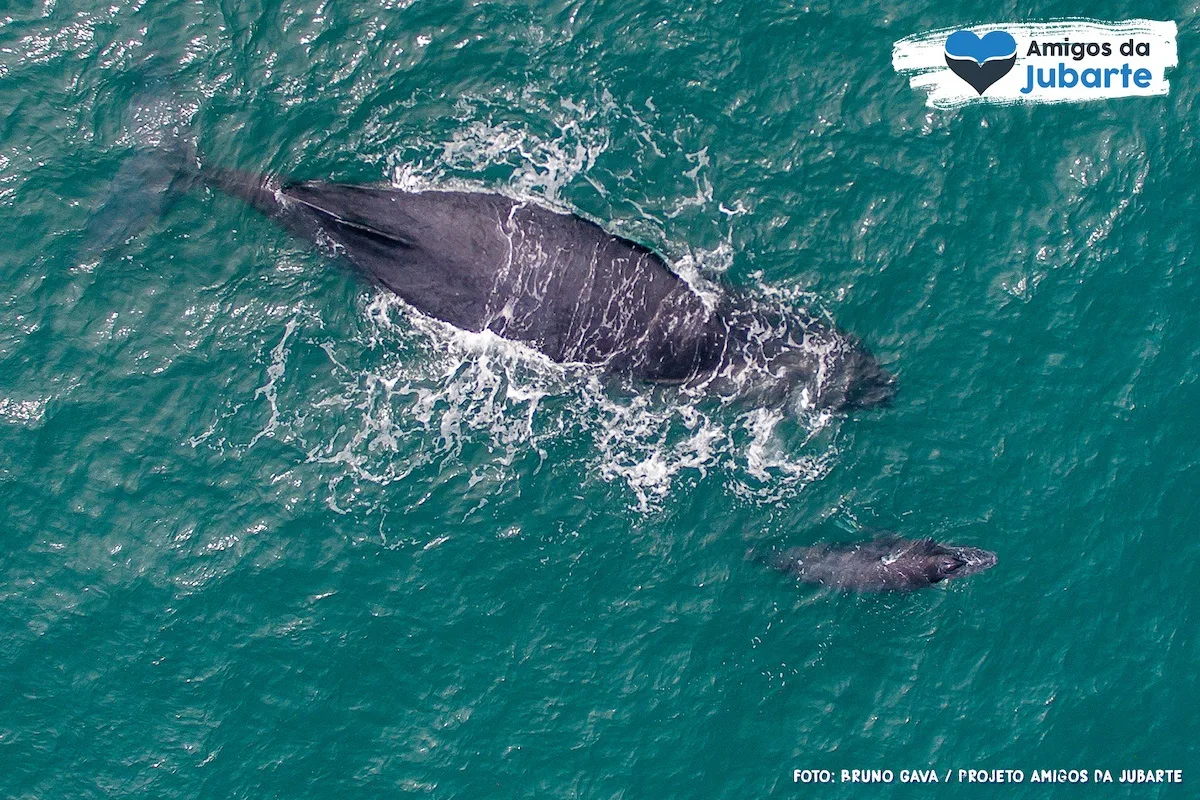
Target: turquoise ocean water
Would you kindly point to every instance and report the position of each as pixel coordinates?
(265, 534)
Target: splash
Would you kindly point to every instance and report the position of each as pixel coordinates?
(448, 396)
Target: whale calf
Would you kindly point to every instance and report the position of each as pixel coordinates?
(889, 563)
(569, 289)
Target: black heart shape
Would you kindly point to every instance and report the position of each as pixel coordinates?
(981, 76)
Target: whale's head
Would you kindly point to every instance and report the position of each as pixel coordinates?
(908, 565)
(841, 377)
(795, 359)
(856, 380)
(958, 562)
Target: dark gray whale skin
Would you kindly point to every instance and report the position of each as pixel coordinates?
(889, 563)
(565, 287)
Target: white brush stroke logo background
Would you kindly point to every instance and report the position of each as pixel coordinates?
(923, 58)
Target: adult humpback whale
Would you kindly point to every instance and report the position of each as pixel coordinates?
(889, 563)
(567, 288)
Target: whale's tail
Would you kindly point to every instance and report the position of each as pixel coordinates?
(770, 558)
(161, 165)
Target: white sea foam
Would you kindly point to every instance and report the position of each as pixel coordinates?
(267, 391)
(454, 389)
(22, 411)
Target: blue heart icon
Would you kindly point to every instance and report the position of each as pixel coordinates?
(981, 62)
(996, 45)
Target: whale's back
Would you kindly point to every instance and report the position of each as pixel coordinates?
(486, 262)
(889, 563)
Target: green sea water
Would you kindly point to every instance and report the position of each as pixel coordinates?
(265, 533)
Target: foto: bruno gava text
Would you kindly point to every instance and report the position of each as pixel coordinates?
(988, 776)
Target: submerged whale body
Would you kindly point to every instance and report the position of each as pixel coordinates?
(567, 288)
(889, 563)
